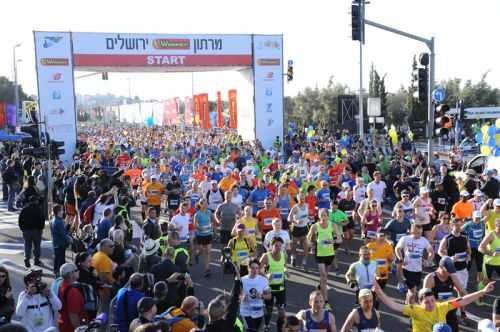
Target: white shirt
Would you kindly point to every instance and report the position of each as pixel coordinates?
(40, 317)
(99, 212)
(378, 190)
(413, 250)
(359, 193)
(237, 200)
(252, 304)
(272, 234)
(181, 222)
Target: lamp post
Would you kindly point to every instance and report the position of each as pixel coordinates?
(16, 88)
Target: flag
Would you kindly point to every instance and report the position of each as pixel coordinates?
(233, 109)
(220, 116)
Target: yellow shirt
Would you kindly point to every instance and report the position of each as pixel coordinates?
(226, 183)
(490, 220)
(423, 320)
(103, 264)
(250, 229)
(382, 254)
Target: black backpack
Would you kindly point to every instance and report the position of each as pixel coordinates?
(90, 299)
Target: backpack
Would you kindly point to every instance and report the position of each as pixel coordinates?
(77, 245)
(88, 214)
(90, 299)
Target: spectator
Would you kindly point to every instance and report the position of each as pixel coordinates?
(103, 266)
(189, 310)
(127, 300)
(87, 274)
(72, 313)
(146, 307)
(150, 227)
(29, 190)
(60, 237)
(11, 178)
(7, 305)
(104, 224)
(31, 223)
(160, 294)
(149, 256)
(181, 255)
(491, 186)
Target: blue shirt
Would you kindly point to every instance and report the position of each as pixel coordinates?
(475, 232)
(60, 238)
(103, 228)
(204, 223)
(257, 197)
(133, 296)
(323, 198)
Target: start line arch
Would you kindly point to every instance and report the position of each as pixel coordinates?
(258, 57)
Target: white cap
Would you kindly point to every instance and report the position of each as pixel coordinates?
(485, 325)
(476, 214)
(464, 193)
(424, 190)
(496, 202)
(477, 192)
(346, 185)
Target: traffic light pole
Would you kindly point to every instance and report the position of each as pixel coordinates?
(430, 44)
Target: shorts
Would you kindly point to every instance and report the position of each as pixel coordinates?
(413, 279)
(70, 209)
(349, 226)
(278, 298)
(427, 227)
(299, 231)
(477, 257)
(490, 269)
(251, 324)
(203, 240)
(327, 260)
(225, 236)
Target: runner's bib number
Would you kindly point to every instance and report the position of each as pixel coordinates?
(444, 295)
(381, 262)
(415, 255)
(461, 256)
(268, 221)
(371, 234)
(477, 233)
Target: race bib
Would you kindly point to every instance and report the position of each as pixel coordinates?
(348, 213)
(276, 276)
(268, 221)
(415, 255)
(461, 256)
(443, 296)
(251, 231)
(242, 254)
(477, 233)
(441, 201)
(256, 307)
(371, 234)
(174, 202)
(326, 243)
(381, 262)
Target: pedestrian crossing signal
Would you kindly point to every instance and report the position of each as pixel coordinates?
(289, 73)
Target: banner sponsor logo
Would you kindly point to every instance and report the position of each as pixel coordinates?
(50, 41)
(269, 92)
(57, 111)
(56, 77)
(269, 107)
(172, 44)
(56, 94)
(270, 44)
(54, 61)
(269, 62)
(269, 76)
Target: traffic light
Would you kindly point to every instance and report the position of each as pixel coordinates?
(31, 129)
(105, 75)
(443, 121)
(422, 84)
(461, 110)
(56, 149)
(289, 72)
(357, 23)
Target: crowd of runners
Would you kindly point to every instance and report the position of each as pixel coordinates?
(265, 212)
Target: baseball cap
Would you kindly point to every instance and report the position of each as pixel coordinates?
(424, 190)
(364, 293)
(447, 263)
(496, 202)
(441, 327)
(464, 193)
(476, 214)
(213, 182)
(477, 192)
(67, 268)
(145, 304)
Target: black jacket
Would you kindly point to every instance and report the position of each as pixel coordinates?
(226, 324)
(31, 217)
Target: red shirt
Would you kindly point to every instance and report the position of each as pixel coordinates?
(311, 204)
(73, 303)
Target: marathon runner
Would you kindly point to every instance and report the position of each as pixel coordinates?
(298, 220)
(317, 318)
(475, 231)
(364, 318)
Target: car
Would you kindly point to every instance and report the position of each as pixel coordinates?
(469, 147)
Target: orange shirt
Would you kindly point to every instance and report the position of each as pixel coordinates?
(462, 210)
(311, 204)
(134, 174)
(226, 183)
(265, 217)
(153, 193)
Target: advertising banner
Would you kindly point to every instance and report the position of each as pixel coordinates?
(268, 83)
(54, 65)
(205, 111)
(197, 110)
(11, 113)
(233, 109)
(160, 50)
(188, 111)
(220, 116)
(3, 114)
(170, 112)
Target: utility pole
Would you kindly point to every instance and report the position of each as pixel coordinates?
(432, 65)
(16, 87)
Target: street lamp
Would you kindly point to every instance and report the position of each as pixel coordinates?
(16, 88)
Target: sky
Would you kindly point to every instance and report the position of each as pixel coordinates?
(317, 37)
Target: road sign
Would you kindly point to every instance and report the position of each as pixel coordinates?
(438, 95)
(374, 107)
(290, 62)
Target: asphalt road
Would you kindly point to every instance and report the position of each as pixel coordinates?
(298, 286)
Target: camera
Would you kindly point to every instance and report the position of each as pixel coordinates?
(36, 276)
(353, 284)
(227, 264)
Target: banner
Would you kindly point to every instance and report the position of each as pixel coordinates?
(205, 111)
(220, 116)
(11, 113)
(197, 110)
(56, 96)
(3, 114)
(233, 109)
(170, 112)
(188, 111)
(268, 82)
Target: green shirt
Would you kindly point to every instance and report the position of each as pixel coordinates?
(338, 217)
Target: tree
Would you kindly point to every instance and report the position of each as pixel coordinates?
(396, 108)
(7, 92)
(479, 94)
(377, 89)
